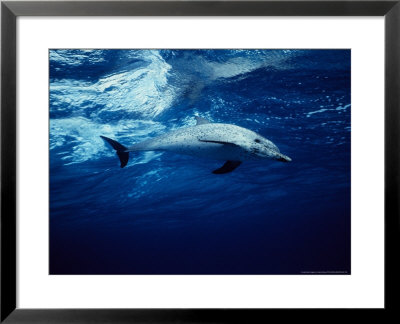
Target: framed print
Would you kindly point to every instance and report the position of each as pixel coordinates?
(193, 161)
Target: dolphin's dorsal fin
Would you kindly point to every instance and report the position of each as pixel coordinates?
(201, 120)
(229, 166)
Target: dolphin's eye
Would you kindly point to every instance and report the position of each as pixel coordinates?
(257, 140)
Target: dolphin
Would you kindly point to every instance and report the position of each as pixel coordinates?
(217, 141)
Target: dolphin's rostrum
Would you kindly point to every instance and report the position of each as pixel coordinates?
(225, 142)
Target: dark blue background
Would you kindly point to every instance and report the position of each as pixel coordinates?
(167, 213)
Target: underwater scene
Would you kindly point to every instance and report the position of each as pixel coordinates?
(204, 161)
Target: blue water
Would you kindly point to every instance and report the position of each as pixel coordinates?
(166, 213)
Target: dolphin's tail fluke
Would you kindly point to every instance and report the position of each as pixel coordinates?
(121, 150)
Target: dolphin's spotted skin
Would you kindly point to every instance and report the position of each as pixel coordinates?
(224, 142)
(206, 141)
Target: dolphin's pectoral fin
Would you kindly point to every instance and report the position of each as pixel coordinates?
(229, 166)
(201, 120)
(217, 142)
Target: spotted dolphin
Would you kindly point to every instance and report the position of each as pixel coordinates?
(217, 141)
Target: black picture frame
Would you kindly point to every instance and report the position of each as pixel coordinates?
(10, 10)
